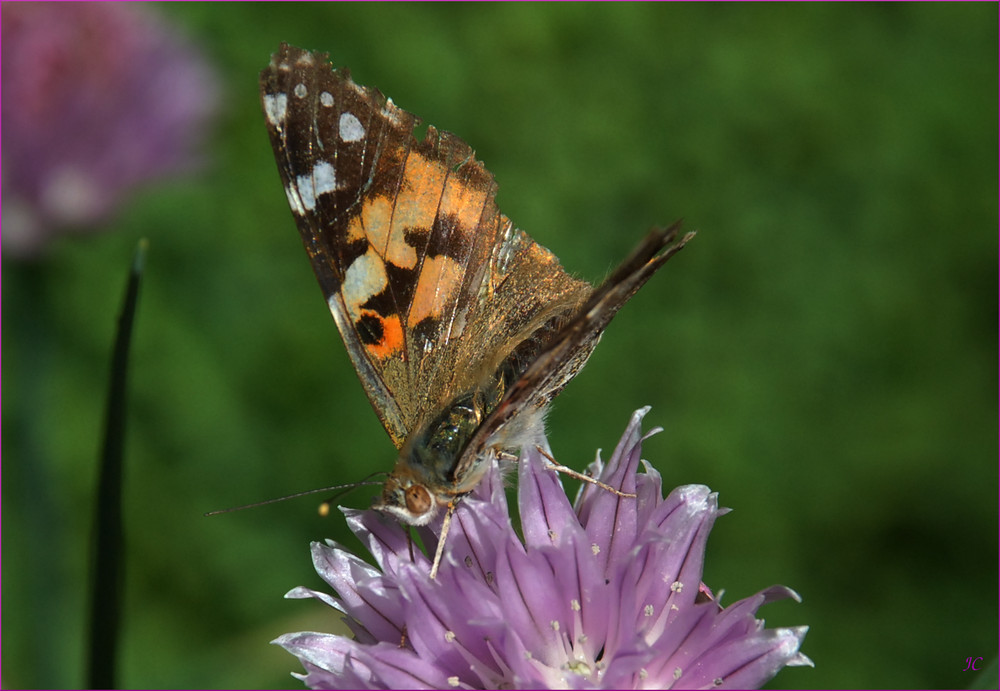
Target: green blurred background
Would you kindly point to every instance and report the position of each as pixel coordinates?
(824, 354)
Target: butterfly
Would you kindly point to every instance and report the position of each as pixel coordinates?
(462, 329)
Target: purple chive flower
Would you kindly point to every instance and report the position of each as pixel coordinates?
(606, 593)
(97, 98)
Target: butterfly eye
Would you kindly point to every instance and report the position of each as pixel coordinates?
(418, 500)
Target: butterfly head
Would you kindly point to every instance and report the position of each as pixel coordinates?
(407, 499)
(430, 471)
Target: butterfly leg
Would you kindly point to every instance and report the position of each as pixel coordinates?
(580, 476)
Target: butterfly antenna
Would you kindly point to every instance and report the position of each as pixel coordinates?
(340, 489)
(324, 508)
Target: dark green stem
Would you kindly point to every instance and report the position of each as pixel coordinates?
(106, 597)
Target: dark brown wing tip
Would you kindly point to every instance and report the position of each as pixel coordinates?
(288, 57)
(665, 237)
(655, 249)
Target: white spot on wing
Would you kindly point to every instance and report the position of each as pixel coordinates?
(275, 108)
(364, 278)
(302, 195)
(307, 193)
(300, 90)
(324, 178)
(350, 128)
(326, 98)
(390, 111)
(294, 201)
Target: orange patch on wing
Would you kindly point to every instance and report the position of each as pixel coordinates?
(392, 336)
(423, 185)
(355, 230)
(440, 277)
(376, 216)
(372, 224)
(416, 206)
(465, 203)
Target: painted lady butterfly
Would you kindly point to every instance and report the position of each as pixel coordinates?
(461, 327)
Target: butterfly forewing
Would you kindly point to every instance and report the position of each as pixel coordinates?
(431, 287)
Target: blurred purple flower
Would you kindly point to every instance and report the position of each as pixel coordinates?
(97, 98)
(603, 594)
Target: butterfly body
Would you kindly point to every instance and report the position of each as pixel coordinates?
(461, 327)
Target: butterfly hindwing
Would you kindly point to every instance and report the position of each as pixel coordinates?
(567, 351)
